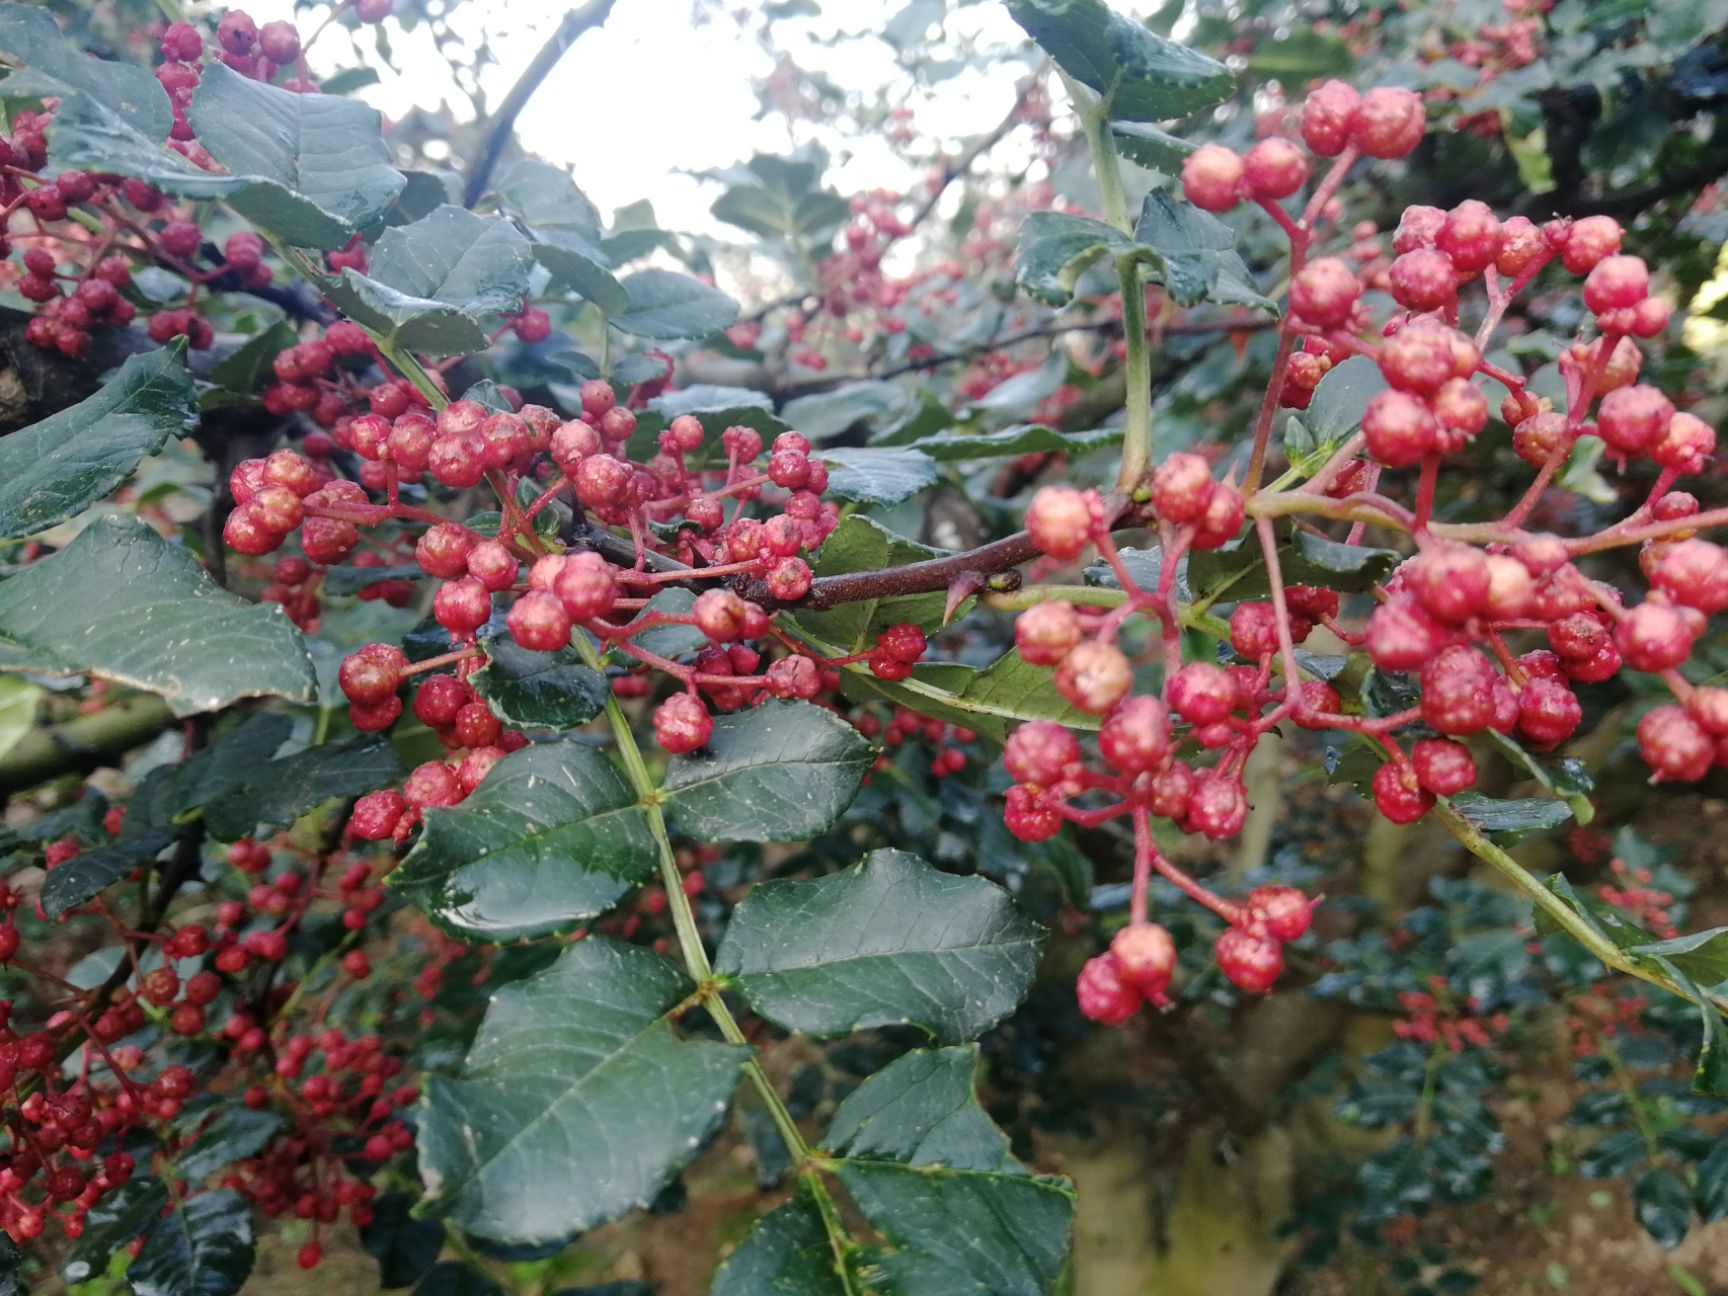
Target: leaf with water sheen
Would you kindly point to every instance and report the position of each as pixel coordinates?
(538, 690)
(783, 771)
(1142, 76)
(787, 1253)
(204, 1248)
(55, 469)
(552, 837)
(888, 942)
(161, 625)
(577, 1102)
(921, 1109)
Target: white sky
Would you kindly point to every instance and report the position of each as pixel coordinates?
(653, 92)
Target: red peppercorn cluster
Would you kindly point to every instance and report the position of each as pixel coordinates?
(1495, 624)
(1437, 1016)
(907, 726)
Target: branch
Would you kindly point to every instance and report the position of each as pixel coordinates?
(954, 168)
(83, 744)
(503, 126)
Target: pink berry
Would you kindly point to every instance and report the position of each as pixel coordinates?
(1398, 795)
(1282, 912)
(1201, 693)
(682, 723)
(1470, 238)
(1687, 444)
(539, 622)
(1212, 177)
(1145, 957)
(1674, 746)
(1094, 676)
(462, 606)
(1135, 735)
(1181, 488)
(1040, 753)
(1589, 241)
(1325, 292)
(1329, 118)
(1103, 994)
(1442, 766)
(1693, 572)
(1400, 429)
(1548, 712)
(1458, 691)
(1654, 636)
(1450, 581)
(1615, 283)
(1389, 122)
(1273, 169)
(1031, 814)
(1633, 419)
(1218, 805)
(1045, 633)
(1422, 280)
(1252, 963)
(432, 784)
(1060, 521)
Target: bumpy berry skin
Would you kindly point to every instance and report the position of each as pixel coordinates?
(1135, 735)
(1458, 691)
(1548, 712)
(1274, 168)
(1212, 177)
(1402, 636)
(1094, 676)
(1145, 958)
(1675, 746)
(1181, 488)
(1201, 693)
(1060, 521)
(1030, 815)
(1045, 633)
(1282, 912)
(682, 724)
(1470, 238)
(1389, 122)
(1218, 805)
(1400, 429)
(1588, 242)
(1252, 963)
(1443, 767)
(1325, 292)
(1654, 636)
(1329, 118)
(1103, 994)
(1398, 795)
(1423, 280)
(538, 622)
(1040, 753)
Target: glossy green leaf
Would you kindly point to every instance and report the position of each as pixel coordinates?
(203, 1248)
(1663, 1205)
(876, 474)
(961, 1230)
(787, 1253)
(888, 942)
(233, 1134)
(246, 369)
(1022, 438)
(666, 306)
(1140, 75)
(823, 415)
(1520, 815)
(539, 690)
(55, 469)
(278, 792)
(921, 1110)
(1151, 147)
(552, 837)
(226, 764)
(1341, 399)
(545, 197)
(1056, 248)
(326, 151)
(431, 286)
(404, 1247)
(161, 624)
(1198, 254)
(87, 875)
(573, 261)
(54, 67)
(577, 1102)
(783, 771)
(1710, 1194)
(111, 1224)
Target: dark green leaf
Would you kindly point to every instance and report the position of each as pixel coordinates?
(1016, 690)
(432, 285)
(1341, 398)
(546, 198)
(1151, 147)
(1140, 75)
(809, 216)
(161, 624)
(666, 306)
(538, 690)
(1349, 569)
(1614, 1155)
(579, 264)
(553, 836)
(1301, 56)
(56, 68)
(1022, 438)
(453, 1278)
(1198, 251)
(351, 580)
(876, 474)
(324, 150)
(204, 1248)
(348, 80)
(279, 792)
(1055, 248)
(89, 874)
(403, 1246)
(1701, 955)
(1524, 814)
(234, 1134)
(1664, 1206)
(55, 469)
(787, 1253)
(1710, 1196)
(960, 1230)
(890, 941)
(111, 1224)
(824, 415)
(247, 368)
(783, 771)
(577, 1102)
(921, 1109)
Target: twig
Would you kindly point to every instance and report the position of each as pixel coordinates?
(503, 125)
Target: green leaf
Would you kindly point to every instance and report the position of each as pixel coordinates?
(1568, 778)
(234, 1134)
(783, 771)
(277, 793)
(1151, 147)
(431, 286)
(826, 414)
(539, 690)
(577, 1102)
(1701, 955)
(18, 701)
(1055, 248)
(246, 369)
(666, 306)
(1140, 75)
(1022, 438)
(1301, 56)
(87, 875)
(327, 151)
(809, 216)
(204, 1248)
(1519, 815)
(403, 1246)
(890, 941)
(56, 68)
(875, 474)
(961, 1230)
(453, 1278)
(111, 1224)
(552, 837)
(921, 1110)
(1341, 399)
(1198, 254)
(787, 1253)
(1710, 1195)
(55, 469)
(546, 198)
(986, 701)
(1663, 1205)
(227, 763)
(161, 624)
(572, 260)
(1349, 569)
